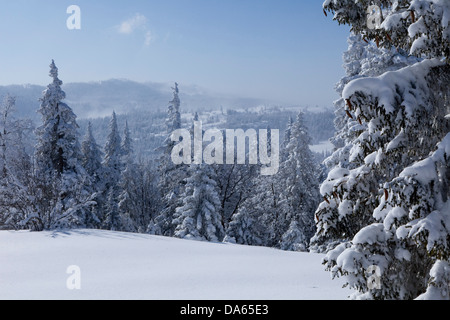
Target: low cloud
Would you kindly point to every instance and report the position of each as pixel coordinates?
(138, 23)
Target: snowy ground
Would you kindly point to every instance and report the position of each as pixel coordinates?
(117, 265)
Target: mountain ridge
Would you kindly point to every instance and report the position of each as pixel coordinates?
(99, 98)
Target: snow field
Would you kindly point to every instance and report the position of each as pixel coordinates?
(123, 266)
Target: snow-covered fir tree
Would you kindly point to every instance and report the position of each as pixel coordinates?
(287, 139)
(246, 228)
(127, 201)
(92, 155)
(58, 150)
(199, 217)
(15, 199)
(174, 115)
(60, 176)
(128, 198)
(127, 142)
(361, 60)
(172, 177)
(294, 239)
(112, 220)
(112, 164)
(92, 163)
(300, 186)
(419, 27)
(396, 184)
(112, 154)
(408, 185)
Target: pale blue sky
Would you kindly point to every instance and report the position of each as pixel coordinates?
(285, 50)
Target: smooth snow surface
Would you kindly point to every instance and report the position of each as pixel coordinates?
(127, 266)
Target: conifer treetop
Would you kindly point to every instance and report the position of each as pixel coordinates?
(53, 94)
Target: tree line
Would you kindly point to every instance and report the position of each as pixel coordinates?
(66, 183)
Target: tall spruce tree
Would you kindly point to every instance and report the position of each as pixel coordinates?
(397, 181)
(113, 167)
(129, 194)
(113, 154)
(127, 142)
(61, 178)
(92, 163)
(112, 219)
(299, 174)
(15, 199)
(92, 155)
(171, 176)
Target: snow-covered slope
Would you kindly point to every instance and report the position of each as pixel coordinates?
(116, 265)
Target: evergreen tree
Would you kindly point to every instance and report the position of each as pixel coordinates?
(393, 186)
(172, 177)
(15, 201)
(246, 228)
(300, 186)
(92, 155)
(174, 115)
(258, 217)
(361, 60)
(112, 220)
(420, 27)
(58, 150)
(294, 239)
(287, 139)
(127, 142)
(113, 154)
(199, 216)
(390, 205)
(60, 176)
(92, 163)
(113, 167)
(128, 198)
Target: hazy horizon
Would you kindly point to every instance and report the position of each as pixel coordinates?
(275, 50)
